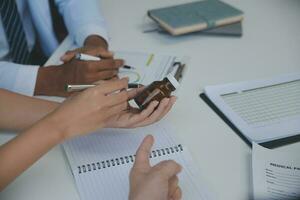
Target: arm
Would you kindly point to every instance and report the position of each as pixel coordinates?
(22, 151)
(88, 30)
(88, 111)
(94, 106)
(18, 78)
(21, 111)
(89, 22)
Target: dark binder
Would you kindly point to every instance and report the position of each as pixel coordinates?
(269, 144)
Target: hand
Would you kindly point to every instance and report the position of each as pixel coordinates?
(159, 182)
(133, 117)
(51, 80)
(78, 115)
(90, 109)
(93, 45)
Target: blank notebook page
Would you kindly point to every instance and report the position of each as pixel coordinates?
(101, 162)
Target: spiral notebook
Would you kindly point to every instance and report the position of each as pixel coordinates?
(101, 162)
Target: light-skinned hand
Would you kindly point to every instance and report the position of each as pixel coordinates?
(159, 182)
(90, 109)
(134, 117)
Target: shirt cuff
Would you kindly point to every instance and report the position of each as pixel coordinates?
(91, 29)
(26, 79)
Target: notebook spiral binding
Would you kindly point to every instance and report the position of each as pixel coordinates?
(126, 159)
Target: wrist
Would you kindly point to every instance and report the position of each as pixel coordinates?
(49, 81)
(96, 40)
(55, 127)
(52, 133)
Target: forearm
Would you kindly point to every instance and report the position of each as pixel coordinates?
(20, 153)
(89, 22)
(17, 77)
(19, 112)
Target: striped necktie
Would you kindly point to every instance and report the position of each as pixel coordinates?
(14, 30)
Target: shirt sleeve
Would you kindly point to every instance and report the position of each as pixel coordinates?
(83, 18)
(18, 78)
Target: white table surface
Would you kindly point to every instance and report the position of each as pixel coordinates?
(270, 46)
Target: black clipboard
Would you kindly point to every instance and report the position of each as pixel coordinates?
(269, 144)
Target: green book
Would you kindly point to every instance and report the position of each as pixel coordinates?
(195, 16)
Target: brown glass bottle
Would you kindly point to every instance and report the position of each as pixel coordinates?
(156, 91)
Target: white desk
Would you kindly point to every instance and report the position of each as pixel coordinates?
(270, 46)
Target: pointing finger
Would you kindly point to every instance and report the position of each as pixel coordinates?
(109, 87)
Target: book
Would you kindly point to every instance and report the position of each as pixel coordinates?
(275, 174)
(261, 111)
(195, 16)
(101, 162)
(232, 30)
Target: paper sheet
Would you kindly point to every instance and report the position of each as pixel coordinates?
(148, 66)
(276, 175)
(113, 182)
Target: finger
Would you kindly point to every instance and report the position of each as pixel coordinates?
(103, 75)
(106, 81)
(115, 78)
(117, 98)
(99, 82)
(173, 185)
(168, 107)
(116, 109)
(155, 115)
(142, 154)
(177, 195)
(109, 87)
(68, 56)
(108, 64)
(94, 51)
(99, 52)
(134, 92)
(167, 168)
(138, 119)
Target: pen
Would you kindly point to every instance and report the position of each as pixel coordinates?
(76, 88)
(86, 57)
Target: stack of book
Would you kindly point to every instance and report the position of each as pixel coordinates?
(208, 16)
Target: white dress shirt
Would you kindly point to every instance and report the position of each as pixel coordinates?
(82, 18)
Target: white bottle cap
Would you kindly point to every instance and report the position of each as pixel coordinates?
(173, 81)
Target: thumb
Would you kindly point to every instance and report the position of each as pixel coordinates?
(142, 155)
(167, 168)
(68, 56)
